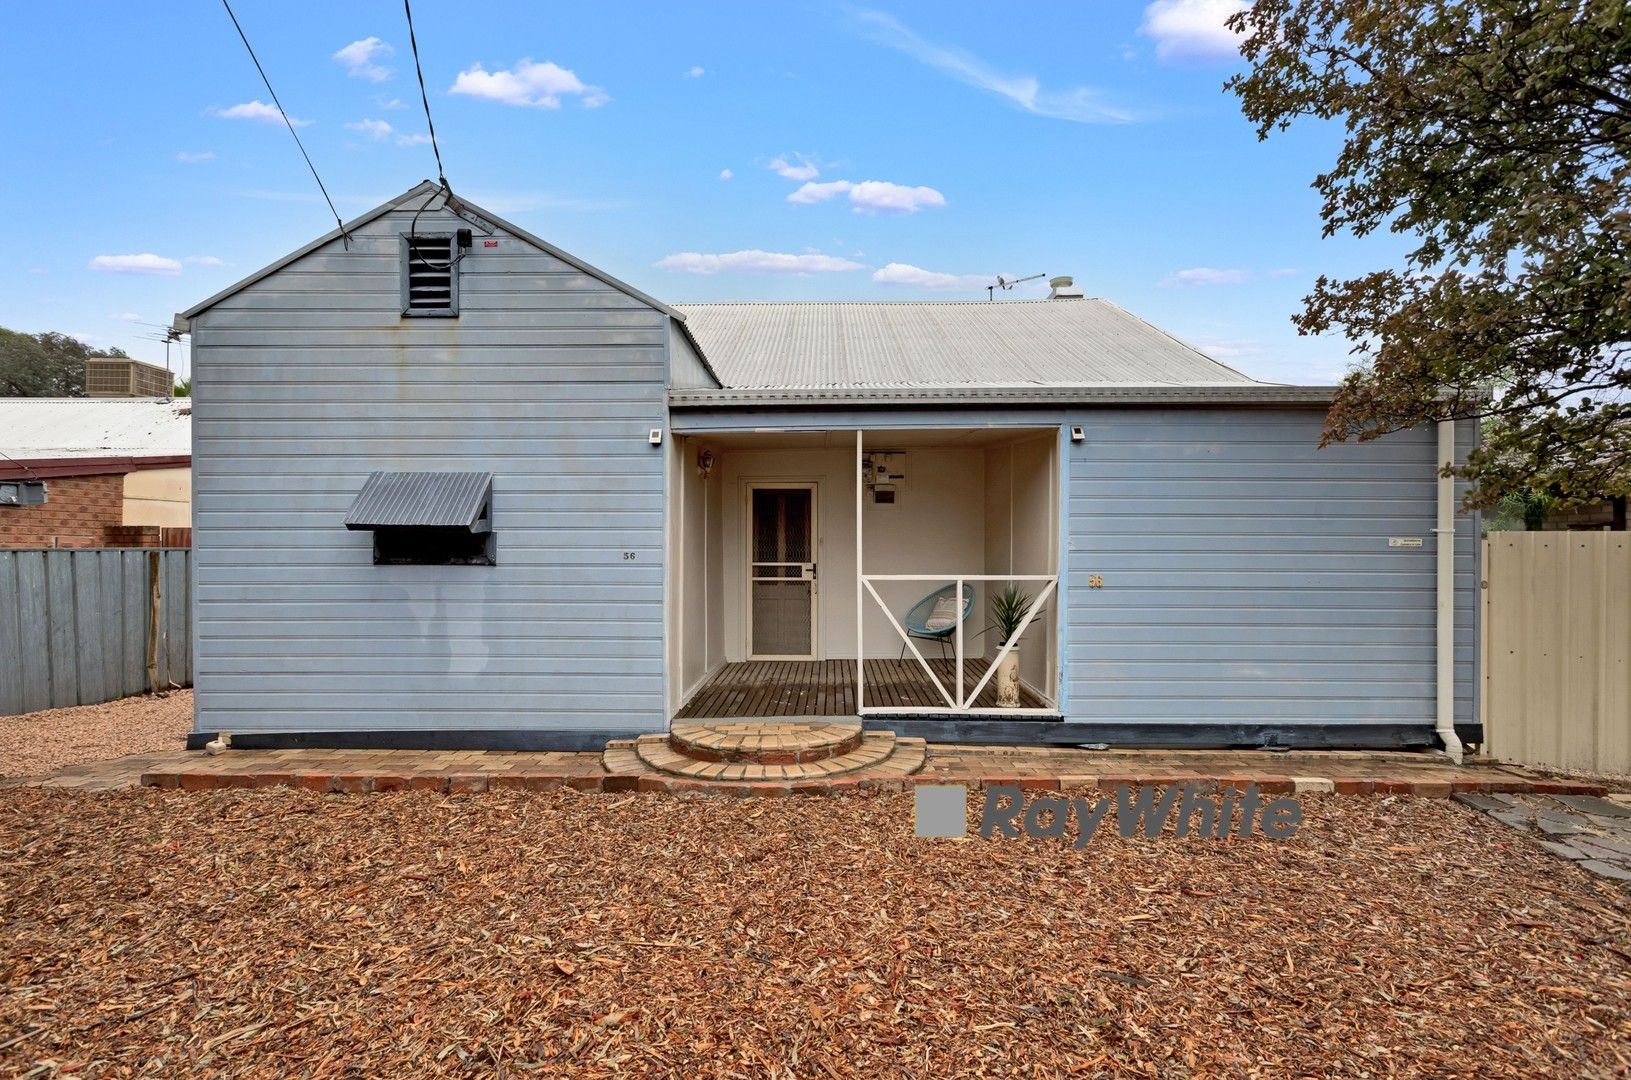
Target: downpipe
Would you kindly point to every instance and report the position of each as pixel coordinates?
(1444, 541)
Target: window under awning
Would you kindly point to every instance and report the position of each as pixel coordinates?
(424, 500)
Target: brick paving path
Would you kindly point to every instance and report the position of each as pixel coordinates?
(356, 771)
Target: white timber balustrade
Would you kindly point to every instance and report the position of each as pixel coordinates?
(957, 700)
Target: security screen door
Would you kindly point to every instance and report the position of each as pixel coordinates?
(781, 545)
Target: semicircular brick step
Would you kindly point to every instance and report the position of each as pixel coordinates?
(799, 756)
(764, 744)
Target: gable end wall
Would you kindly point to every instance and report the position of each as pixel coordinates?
(310, 379)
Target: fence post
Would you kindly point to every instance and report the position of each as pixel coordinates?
(153, 599)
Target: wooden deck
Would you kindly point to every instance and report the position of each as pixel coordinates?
(827, 688)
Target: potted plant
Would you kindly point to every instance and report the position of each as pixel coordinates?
(1008, 610)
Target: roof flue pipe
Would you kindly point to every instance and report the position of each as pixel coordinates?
(1064, 287)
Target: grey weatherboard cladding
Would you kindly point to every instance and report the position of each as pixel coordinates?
(310, 380)
(1248, 585)
(1247, 576)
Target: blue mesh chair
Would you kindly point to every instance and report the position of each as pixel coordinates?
(921, 622)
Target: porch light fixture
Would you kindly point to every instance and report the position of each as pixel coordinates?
(1077, 434)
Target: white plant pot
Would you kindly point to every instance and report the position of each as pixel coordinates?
(1008, 681)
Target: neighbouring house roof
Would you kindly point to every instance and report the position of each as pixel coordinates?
(900, 345)
(80, 436)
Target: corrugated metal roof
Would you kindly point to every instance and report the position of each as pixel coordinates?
(427, 499)
(36, 428)
(1073, 343)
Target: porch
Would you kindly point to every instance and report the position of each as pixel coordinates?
(757, 688)
(797, 552)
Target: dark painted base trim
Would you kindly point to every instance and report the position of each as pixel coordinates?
(495, 739)
(1130, 736)
(1124, 736)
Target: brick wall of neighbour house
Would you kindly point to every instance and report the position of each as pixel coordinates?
(77, 512)
(149, 536)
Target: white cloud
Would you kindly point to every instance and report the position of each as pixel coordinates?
(535, 85)
(906, 274)
(128, 316)
(1285, 271)
(256, 110)
(204, 260)
(1207, 275)
(359, 59)
(374, 129)
(814, 193)
(379, 130)
(194, 159)
(145, 263)
(806, 169)
(1081, 104)
(695, 73)
(871, 196)
(390, 102)
(880, 196)
(1193, 29)
(725, 174)
(763, 262)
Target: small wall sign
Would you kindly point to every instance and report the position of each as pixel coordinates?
(1404, 541)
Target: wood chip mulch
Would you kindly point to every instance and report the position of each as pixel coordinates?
(277, 932)
(42, 742)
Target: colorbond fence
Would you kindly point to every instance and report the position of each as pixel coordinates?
(1557, 649)
(92, 624)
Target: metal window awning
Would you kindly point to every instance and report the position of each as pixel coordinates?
(429, 500)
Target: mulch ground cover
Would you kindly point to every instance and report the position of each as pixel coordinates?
(42, 742)
(280, 933)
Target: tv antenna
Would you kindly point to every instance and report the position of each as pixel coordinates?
(1005, 284)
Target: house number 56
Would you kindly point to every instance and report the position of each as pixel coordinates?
(628, 556)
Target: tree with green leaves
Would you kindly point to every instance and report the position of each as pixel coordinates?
(1496, 134)
(183, 387)
(44, 365)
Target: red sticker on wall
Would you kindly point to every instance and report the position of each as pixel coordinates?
(489, 243)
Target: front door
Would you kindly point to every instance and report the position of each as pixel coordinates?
(782, 572)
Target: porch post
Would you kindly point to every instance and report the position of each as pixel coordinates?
(860, 653)
(959, 595)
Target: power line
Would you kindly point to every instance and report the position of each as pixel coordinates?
(286, 121)
(21, 465)
(441, 174)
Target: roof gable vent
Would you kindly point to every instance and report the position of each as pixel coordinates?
(430, 278)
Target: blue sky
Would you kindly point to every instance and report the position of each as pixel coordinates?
(800, 150)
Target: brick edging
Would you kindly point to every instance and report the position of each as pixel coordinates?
(361, 783)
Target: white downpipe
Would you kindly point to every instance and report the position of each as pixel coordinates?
(1444, 540)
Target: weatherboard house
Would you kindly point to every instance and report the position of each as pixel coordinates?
(454, 487)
